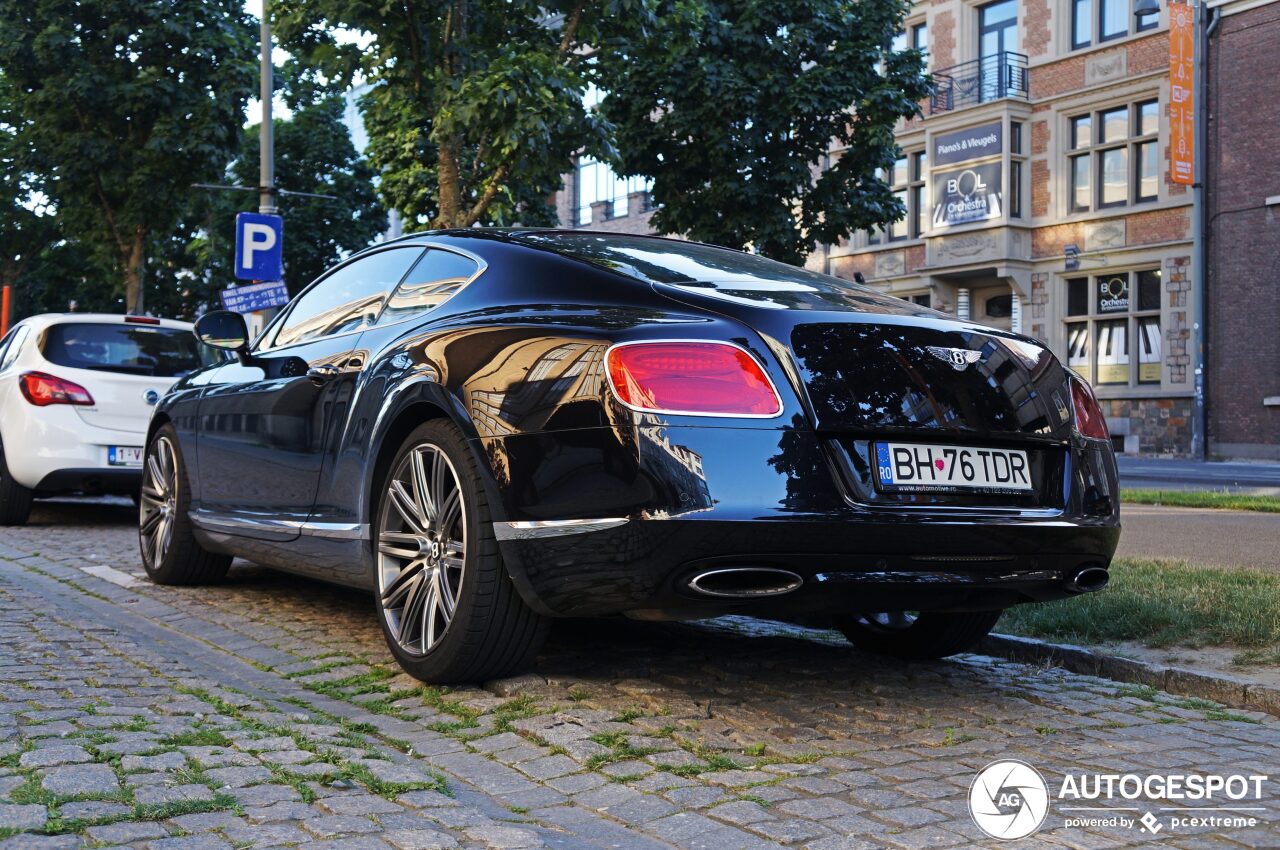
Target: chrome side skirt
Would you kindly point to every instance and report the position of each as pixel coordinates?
(234, 524)
(538, 529)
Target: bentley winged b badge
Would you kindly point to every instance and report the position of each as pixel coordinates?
(959, 358)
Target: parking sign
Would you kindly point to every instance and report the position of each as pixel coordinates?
(259, 243)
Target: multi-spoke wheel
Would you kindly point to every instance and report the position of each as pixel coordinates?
(924, 634)
(447, 606)
(170, 552)
(159, 500)
(422, 548)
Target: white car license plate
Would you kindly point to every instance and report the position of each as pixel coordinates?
(923, 467)
(124, 455)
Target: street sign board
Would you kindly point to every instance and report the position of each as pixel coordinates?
(259, 245)
(1182, 120)
(255, 297)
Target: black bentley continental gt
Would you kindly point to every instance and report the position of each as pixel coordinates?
(492, 428)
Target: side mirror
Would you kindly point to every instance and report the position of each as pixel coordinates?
(225, 330)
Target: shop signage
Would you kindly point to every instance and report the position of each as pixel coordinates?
(1182, 121)
(967, 195)
(964, 145)
(1113, 294)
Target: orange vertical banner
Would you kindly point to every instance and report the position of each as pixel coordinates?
(1182, 116)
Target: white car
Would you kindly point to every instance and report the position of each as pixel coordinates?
(76, 394)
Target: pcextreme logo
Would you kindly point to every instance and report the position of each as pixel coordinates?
(1009, 799)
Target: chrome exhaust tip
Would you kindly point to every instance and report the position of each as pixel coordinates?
(1088, 580)
(744, 582)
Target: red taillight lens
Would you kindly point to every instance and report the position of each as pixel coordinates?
(43, 390)
(1089, 421)
(698, 378)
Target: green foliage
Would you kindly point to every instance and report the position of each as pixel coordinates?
(127, 102)
(732, 105)
(475, 106)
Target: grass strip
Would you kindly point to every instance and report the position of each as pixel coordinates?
(1161, 603)
(1202, 499)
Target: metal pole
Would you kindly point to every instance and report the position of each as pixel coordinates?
(4, 310)
(1199, 266)
(266, 164)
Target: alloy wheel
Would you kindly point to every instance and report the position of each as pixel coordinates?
(421, 548)
(158, 505)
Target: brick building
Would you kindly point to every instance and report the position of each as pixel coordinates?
(1038, 199)
(1243, 231)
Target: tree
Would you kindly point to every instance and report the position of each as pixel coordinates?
(732, 105)
(27, 225)
(125, 104)
(475, 106)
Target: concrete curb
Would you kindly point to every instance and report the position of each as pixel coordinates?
(1227, 690)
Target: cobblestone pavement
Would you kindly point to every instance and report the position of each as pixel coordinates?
(266, 712)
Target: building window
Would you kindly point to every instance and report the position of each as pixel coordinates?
(1015, 169)
(907, 181)
(1105, 20)
(597, 182)
(920, 41)
(1115, 157)
(1113, 327)
(925, 300)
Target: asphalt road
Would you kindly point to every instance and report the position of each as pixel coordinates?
(1210, 537)
(1231, 477)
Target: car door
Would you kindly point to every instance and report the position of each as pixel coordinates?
(436, 276)
(265, 425)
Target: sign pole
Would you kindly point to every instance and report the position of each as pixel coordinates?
(266, 143)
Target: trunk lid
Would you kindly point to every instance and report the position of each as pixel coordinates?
(871, 365)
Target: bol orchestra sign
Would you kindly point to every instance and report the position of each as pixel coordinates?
(966, 195)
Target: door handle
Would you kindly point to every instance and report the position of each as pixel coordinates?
(323, 373)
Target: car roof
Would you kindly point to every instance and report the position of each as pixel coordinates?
(45, 320)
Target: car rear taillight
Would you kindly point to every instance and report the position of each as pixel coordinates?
(1089, 421)
(696, 378)
(43, 390)
(141, 320)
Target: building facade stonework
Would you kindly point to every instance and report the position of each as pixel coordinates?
(1036, 183)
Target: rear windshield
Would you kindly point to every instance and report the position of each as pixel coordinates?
(132, 349)
(717, 272)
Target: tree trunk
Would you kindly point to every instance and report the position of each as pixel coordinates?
(133, 258)
(450, 179)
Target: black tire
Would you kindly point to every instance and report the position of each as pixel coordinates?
(930, 634)
(15, 500)
(491, 632)
(180, 560)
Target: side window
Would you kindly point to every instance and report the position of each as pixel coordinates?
(433, 281)
(347, 300)
(12, 346)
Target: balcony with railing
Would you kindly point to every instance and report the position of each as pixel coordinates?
(995, 77)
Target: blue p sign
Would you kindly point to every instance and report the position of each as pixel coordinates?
(259, 242)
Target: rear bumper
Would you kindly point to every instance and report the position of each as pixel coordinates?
(122, 480)
(53, 449)
(600, 522)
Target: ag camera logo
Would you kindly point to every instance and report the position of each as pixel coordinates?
(1008, 799)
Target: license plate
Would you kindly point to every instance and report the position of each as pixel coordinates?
(905, 467)
(124, 455)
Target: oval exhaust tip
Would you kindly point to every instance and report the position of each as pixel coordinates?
(1088, 580)
(744, 582)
